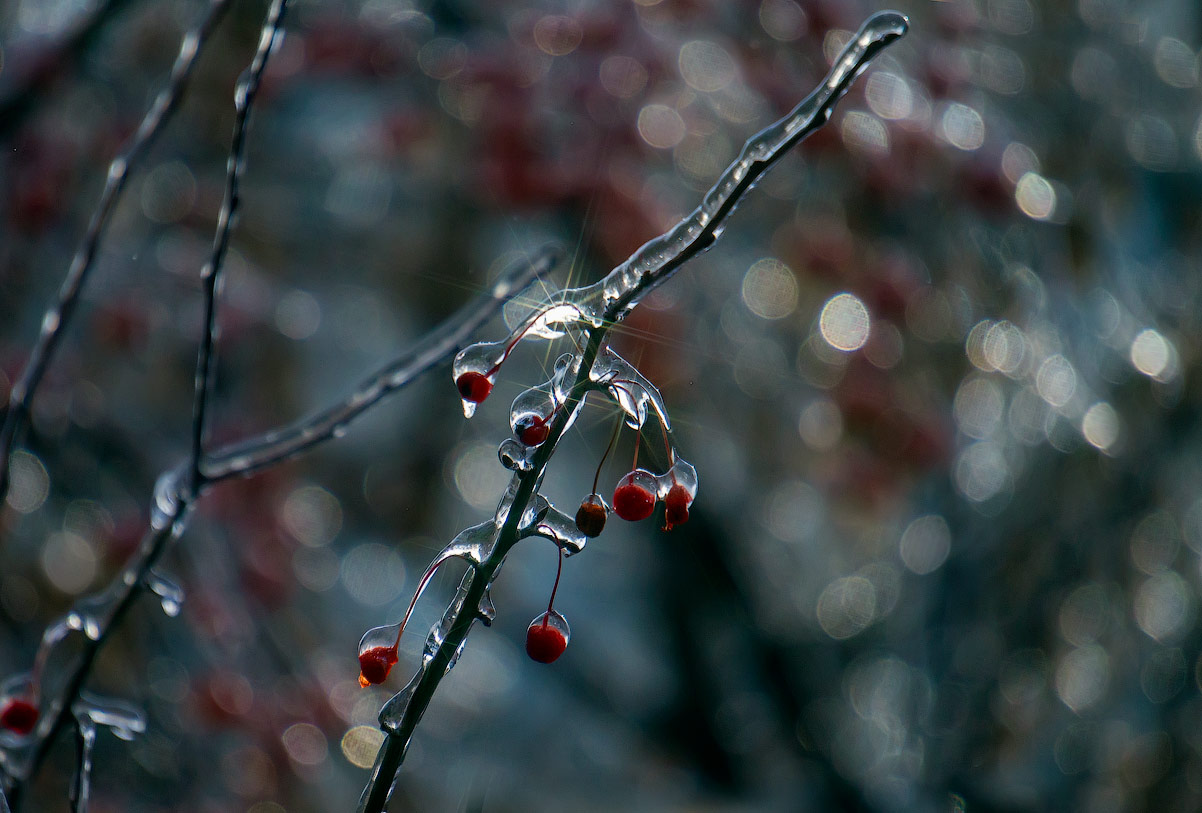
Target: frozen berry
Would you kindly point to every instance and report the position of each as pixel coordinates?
(590, 517)
(532, 430)
(473, 386)
(375, 664)
(19, 716)
(634, 497)
(547, 637)
(676, 506)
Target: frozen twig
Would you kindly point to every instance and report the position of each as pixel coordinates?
(59, 315)
(210, 275)
(620, 291)
(249, 456)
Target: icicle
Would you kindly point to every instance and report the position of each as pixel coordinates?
(85, 737)
(123, 719)
(392, 714)
(506, 503)
(171, 595)
(486, 611)
(164, 508)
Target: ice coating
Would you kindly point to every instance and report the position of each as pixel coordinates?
(89, 712)
(629, 388)
(19, 688)
(547, 636)
(566, 367)
(85, 737)
(655, 261)
(681, 473)
(171, 595)
(123, 719)
(438, 632)
(531, 410)
(506, 502)
(553, 314)
(560, 529)
(515, 455)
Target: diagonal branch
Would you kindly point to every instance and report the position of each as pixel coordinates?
(59, 315)
(253, 455)
(623, 287)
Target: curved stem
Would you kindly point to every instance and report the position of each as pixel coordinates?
(555, 587)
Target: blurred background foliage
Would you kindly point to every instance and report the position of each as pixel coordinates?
(939, 381)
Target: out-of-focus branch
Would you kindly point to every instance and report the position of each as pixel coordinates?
(18, 99)
(58, 317)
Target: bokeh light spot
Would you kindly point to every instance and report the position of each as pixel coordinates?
(844, 322)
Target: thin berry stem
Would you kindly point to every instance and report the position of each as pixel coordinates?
(555, 587)
(613, 438)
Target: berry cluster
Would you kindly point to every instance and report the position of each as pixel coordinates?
(535, 415)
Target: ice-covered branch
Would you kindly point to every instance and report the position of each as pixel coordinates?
(247, 457)
(655, 261)
(244, 99)
(59, 316)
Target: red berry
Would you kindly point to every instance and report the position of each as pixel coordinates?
(532, 430)
(634, 498)
(375, 664)
(19, 716)
(591, 516)
(473, 386)
(547, 637)
(676, 506)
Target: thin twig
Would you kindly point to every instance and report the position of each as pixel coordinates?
(210, 275)
(623, 287)
(58, 317)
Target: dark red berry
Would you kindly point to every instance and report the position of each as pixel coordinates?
(473, 386)
(532, 430)
(633, 500)
(591, 516)
(547, 637)
(676, 506)
(375, 664)
(19, 716)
